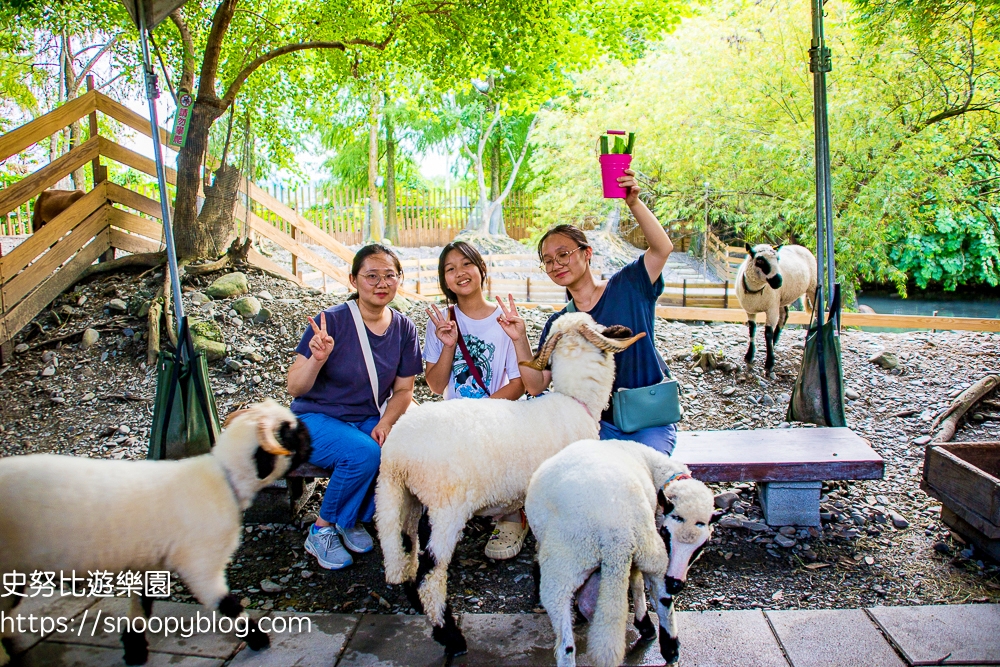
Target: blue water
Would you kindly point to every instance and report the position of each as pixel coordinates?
(965, 307)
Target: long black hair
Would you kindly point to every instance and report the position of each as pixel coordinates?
(367, 251)
(470, 252)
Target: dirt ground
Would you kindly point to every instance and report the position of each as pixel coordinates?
(882, 542)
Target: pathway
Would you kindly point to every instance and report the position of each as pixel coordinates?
(876, 637)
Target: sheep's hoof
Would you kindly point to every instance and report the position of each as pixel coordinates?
(257, 640)
(136, 647)
(647, 631)
(669, 647)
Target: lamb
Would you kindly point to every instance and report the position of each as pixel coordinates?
(51, 203)
(768, 281)
(465, 456)
(594, 508)
(63, 513)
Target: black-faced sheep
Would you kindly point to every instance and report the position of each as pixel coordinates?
(64, 513)
(768, 281)
(594, 508)
(462, 457)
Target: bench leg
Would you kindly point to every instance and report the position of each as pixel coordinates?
(790, 503)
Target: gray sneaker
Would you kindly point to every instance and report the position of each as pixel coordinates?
(325, 545)
(357, 539)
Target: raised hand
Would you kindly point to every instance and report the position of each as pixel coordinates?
(510, 321)
(631, 185)
(321, 344)
(445, 329)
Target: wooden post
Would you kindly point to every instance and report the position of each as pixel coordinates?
(295, 258)
(528, 288)
(99, 173)
(725, 303)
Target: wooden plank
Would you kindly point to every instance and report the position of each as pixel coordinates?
(128, 157)
(778, 455)
(47, 176)
(126, 116)
(21, 314)
(45, 126)
(267, 264)
(296, 248)
(134, 200)
(967, 472)
(848, 319)
(133, 223)
(307, 228)
(133, 243)
(36, 244)
(19, 286)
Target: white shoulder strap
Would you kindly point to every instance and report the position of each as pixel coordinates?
(366, 348)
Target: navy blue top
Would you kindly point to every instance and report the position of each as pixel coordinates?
(342, 388)
(629, 299)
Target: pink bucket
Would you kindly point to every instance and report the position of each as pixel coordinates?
(613, 166)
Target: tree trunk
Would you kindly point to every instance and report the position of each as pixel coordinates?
(495, 170)
(375, 229)
(191, 239)
(72, 84)
(391, 225)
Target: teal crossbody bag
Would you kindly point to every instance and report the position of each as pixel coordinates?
(645, 407)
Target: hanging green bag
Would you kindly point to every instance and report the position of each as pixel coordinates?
(185, 418)
(818, 393)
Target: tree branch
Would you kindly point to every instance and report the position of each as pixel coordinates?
(245, 73)
(93, 61)
(187, 71)
(213, 52)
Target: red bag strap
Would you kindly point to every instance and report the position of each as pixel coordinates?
(476, 375)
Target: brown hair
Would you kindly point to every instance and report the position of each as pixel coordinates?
(364, 253)
(469, 251)
(572, 231)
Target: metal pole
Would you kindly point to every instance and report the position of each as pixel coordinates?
(151, 94)
(819, 65)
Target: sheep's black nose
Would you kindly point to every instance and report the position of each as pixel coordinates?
(763, 265)
(674, 586)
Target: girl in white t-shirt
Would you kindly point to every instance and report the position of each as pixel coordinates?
(485, 368)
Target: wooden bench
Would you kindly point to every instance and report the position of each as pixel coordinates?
(788, 465)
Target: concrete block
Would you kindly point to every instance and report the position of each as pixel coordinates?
(392, 641)
(728, 639)
(53, 654)
(790, 503)
(831, 638)
(960, 634)
(318, 642)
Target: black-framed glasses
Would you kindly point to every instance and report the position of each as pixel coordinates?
(373, 279)
(560, 259)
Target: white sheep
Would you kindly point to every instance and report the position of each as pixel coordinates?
(768, 281)
(65, 513)
(594, 508)
(462, 457)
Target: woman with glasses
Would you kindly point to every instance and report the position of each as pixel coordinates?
(628, 298)
(482, 364)
(333, 397)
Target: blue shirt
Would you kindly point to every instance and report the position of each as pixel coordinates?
(342, 389)
(629, 299)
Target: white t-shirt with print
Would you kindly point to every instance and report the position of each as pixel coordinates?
(491, 349)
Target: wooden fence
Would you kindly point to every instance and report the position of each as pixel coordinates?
(424, 217)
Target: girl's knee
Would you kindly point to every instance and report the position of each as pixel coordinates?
(369, 456)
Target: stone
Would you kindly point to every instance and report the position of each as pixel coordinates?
(206, 329)
(729, 391)
(144, 309)
(784, 541)
(48, 357)
(90, 336)
(766, 401)
(117, 306)
(124, 429)
(233, 364)
(48, 371)
(885, 360)
(725, 500)
(401, 303)
(21, 348)
(228, 286)
(264, 315)
(67, 310)
(922, 440)
(898, 521)
(306, 574)
(89, 396)
(198, 298)
(247, 306)
(269, 586)
(213, 349)
(82, 300)
(264, 295)
(812, 637)
(851, 393)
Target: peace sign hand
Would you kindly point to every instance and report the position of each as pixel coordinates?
(445, 329)
(321, 344)
(510, 321)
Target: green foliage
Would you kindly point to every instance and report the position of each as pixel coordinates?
(723, 111)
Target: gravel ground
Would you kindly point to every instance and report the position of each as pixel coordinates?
(881, 542)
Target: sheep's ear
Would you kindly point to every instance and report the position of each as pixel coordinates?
(617, 331)
(774, 281)
(661, 499)
(716, 515)
(749, 249)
